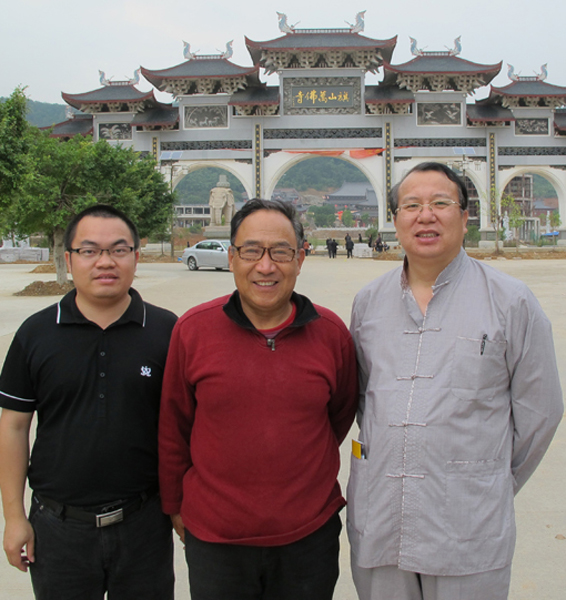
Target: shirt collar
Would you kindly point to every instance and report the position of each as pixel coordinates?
(68, 312)
(451, 273)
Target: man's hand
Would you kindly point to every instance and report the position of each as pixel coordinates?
(19, 543)
(178, 526)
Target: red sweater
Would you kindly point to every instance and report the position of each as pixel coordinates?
(249, 435)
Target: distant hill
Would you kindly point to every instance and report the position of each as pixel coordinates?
(44, 114)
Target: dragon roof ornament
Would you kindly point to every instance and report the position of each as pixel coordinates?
(517, 77)
(108, 82)
(193, 55)
(416, 51)
(355, 27)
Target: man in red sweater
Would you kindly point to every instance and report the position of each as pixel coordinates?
(260, 388)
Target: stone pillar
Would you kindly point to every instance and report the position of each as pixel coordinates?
(258, 161)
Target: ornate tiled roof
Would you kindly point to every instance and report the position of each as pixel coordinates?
(442, 62)
(438, 71)
(318, 40)
(387, 99)
(164, 116)
(529, 91)
(321, 48)
(111, 98)
(261, 95)
(480, 112)
(205, 75)
(380, 94)
(256, 101)
(79, 125)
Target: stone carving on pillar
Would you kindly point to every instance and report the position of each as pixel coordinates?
(221, 202)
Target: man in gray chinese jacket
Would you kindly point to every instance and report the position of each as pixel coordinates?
(459, 402)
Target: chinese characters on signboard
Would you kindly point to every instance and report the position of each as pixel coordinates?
(322, 96)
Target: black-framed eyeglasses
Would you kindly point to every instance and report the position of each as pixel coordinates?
(92, 252)
(278, 254)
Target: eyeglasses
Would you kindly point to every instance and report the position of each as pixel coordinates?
(278, 254)
(434, 206)
(91, 253)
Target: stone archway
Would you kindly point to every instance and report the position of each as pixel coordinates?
(555, 176)
(241, 171)
(277, 164)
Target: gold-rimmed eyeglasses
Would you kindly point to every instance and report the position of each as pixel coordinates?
(417, 207)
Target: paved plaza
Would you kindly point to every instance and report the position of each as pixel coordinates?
(539, 567)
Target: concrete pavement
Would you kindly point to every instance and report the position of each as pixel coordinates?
(538, 568)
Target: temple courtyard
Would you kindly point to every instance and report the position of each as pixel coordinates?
(538, 568)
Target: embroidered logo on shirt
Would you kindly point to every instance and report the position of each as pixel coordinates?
(146, 371)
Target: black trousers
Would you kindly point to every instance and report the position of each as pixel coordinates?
(304, 570)
(132, 560)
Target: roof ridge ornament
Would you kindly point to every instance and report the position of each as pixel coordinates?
(457, 47)
(222, 55)
(283, 25)
(543, 73)
(187, 51)
(415, 51)
(108, 82)
(355, 27)
(359, 24)
(228, 52)
(537, 77)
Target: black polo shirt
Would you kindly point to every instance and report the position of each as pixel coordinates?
(96, 393)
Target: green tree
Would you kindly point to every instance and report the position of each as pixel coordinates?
(495, 215)
(347, 218)
(473, 235)
(324, 216)
(64, 177)
(516, 217)
(555, 222)
(14, 145)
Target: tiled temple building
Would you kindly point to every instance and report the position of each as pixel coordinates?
(223, 115)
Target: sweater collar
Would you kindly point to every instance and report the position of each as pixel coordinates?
(306, 312)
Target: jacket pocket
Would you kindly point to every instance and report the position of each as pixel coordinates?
(479, 499)
(479, 369)
(357, 493)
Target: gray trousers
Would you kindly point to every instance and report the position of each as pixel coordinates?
(390, 583)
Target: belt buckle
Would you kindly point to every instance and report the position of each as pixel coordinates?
(105, 519)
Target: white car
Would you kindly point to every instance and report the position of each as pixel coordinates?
(208, 253)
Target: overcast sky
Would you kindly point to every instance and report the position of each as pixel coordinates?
(60, 45)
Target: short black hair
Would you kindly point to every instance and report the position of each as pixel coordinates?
(104, 211)
(285, 208)
(439, 168)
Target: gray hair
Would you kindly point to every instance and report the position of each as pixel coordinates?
(285, 208)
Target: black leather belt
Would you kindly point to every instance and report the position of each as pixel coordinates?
(101, 516)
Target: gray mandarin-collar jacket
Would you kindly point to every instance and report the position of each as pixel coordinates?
(457, 409)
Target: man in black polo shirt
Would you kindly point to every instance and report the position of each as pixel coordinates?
(91, 366)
